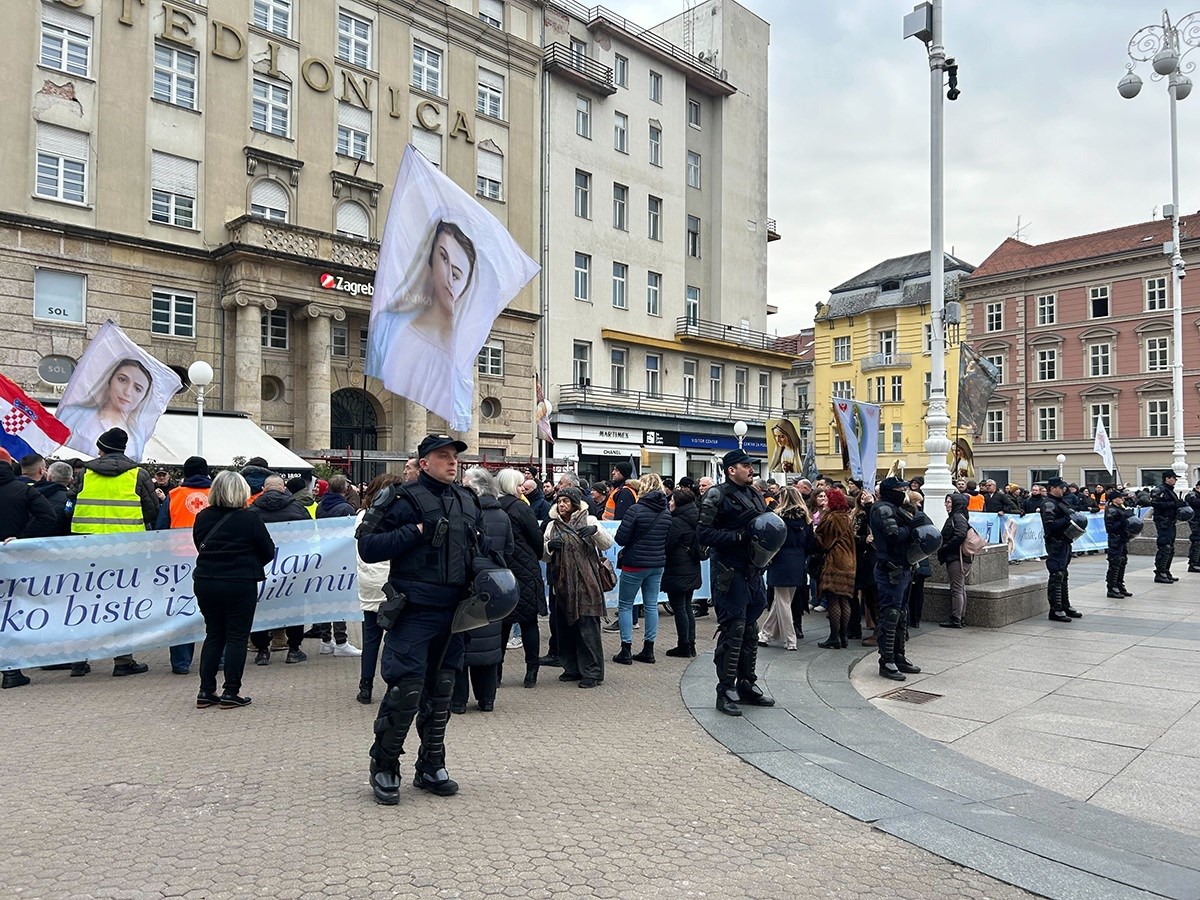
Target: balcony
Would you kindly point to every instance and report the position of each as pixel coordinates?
(772, 231)
(250, 233)
(886, 361)
(579, 395)
(580, 70)
(704, 330)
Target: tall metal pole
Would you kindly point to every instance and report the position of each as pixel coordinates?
(200, 420)
(1179, 463)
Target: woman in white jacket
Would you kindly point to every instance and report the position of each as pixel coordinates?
(371, 579)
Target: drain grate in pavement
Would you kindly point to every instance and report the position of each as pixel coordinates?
(908, 695)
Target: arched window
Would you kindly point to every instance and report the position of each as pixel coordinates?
(269, 200)
(353, 420)
(352, 220)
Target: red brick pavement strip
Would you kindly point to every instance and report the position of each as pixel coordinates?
(118, 787)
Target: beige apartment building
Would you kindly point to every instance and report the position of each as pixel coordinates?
(214, 177)
(656, 237)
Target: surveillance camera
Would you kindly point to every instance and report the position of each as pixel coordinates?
(952, 72)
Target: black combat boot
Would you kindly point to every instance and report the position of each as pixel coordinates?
(364, 690)
(1054, 592)
(530, 676)
(625, 657)
(647, 654)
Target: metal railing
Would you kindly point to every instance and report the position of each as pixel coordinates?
(560, 58)
(685, 326)
(661, 404)
(887, 361)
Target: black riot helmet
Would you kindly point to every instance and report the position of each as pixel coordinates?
(767, 534)
(1185, 514)
(1134, 525)
(925, 542)
(495, 596)
(1077, 527)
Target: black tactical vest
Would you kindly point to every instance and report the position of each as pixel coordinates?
(448, 543)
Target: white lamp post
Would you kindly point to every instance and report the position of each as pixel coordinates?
(200, 374)
(739, 429)
(1060, 459)
(1165, 47)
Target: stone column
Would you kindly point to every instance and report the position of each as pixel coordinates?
(320, 318)
(247, 350)
(415, 427)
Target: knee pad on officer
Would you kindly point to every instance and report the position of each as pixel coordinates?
(443, 683)
(405, 696)
(889, 617)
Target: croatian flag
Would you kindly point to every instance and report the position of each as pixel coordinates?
(25, 427)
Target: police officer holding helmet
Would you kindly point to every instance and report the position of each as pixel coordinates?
(1167, 506)
(431, 531)
(1060, 528)
(741, 537)
(899, 545)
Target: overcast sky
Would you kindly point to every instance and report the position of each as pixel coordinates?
(1039, 131)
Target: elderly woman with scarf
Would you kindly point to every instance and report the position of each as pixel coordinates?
(574, 542)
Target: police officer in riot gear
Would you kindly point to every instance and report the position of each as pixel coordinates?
(431, 531)
(892, 526)
(739, 595)
(1166, 505)
(1117, 524)
(1056, 520)
(1193, 501)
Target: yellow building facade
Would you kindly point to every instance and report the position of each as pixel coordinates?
(871, 342)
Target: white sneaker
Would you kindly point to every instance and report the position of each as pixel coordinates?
(346, 649)
(326, 647)
(514, 643)
(820, 607)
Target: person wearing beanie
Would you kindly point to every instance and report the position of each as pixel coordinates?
(1166, 504)
(298, 488)
(256, 472)
(1056, 517)
(183, 504)
(1116, 524)
(621, 495)
(114, 496)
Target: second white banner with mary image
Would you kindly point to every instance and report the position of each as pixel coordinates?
(447, 268)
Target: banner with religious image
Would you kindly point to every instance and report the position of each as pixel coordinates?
(447, 268)
(783, 446)
(116, 384)
(858, 424)
(541, 413)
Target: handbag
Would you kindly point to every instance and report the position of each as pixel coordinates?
(604, 573)
(633, 543)
(973, 543)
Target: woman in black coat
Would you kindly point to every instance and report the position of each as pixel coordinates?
(681, 575)
(787, 575)
(233, 546)
(643, 540)
(485, 648)
(528, 548)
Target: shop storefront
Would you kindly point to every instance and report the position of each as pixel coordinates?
(671, 454)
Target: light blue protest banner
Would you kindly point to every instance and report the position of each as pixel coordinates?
(610, 599)
(94, 596)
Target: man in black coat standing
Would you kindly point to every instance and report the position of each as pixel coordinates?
(57, 489)
(1166, 505)
(1056, 519)
(275, 504)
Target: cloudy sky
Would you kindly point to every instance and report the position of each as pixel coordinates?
(1039, 132)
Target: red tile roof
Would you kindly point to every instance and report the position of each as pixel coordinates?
(1016, 256)
(800, 344)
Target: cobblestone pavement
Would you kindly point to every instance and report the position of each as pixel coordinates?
(121, 788)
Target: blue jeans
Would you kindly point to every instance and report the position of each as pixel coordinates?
(181, 657)
(648, 582)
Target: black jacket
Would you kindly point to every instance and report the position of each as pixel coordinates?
(485, 646)
(891, 528)
(1056, 516)
(528, 546)
(682, 572)
(24, 513)
(255, 476)
(279, 506)
(725, 512)
(1116, 525)
(238, 551)
(789, 568)
(1034, 504)
(1193, 500)
(954, 532)
(60, 498)
(333, 506)
(1166, 505)
(1002, 502)
(643, 533)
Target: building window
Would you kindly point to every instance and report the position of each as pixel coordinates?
(1156, 294)
(1046, 312)
(61, 163)
(689, 378)
(926, 338)
(58, 296)
(583, 117)
(172, 313)
(897, 389)
(66, 40)
(619, 360)
(1098, 307)
(620, 281)
(271, 108)
(274, 16)
(489, 94)
(579, 52)
(693, 169)
(897, 437)
(993, 428)
(352, 220)
(173, 189)
(997, 360)
(654, 218)
(1099, 360)
(491, 12)
(581, 363)
(928, 385)
(693, 113)
(354, 39)
(269, 200)
(620, 207)
(655, 86)
(691, 305)
(764, 390)
(621, 70)
(655, 145)
(1099, 412)
(1158, 418)
(353, 131)
(275, 329)
(653, 294)
(993, 316)
(489, 177)
(1047, 365)
(653, 374)
(1047, 423)
(739, 386)
(427, 70)
(887, 343)
(1158, 354)
(583, 194)
(841, 349)
(490, 362)
(621, 133)
(716, 388)
(842, 390)
(880, 391)
(175, 76)
(429, 145)
(583, 276)
(339, 345)
(693, 236)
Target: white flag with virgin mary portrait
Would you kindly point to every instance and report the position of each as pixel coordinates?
(116, 384)
(447, 268)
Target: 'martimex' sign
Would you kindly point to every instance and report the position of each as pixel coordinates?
(353, 288)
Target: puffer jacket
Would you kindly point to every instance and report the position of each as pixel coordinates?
(954, 532)
(789, 568)
(527, 551)
(644, 532)
(279, 506)
(255, 476)
(485, 646)
(682, 572)
(331, 506)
